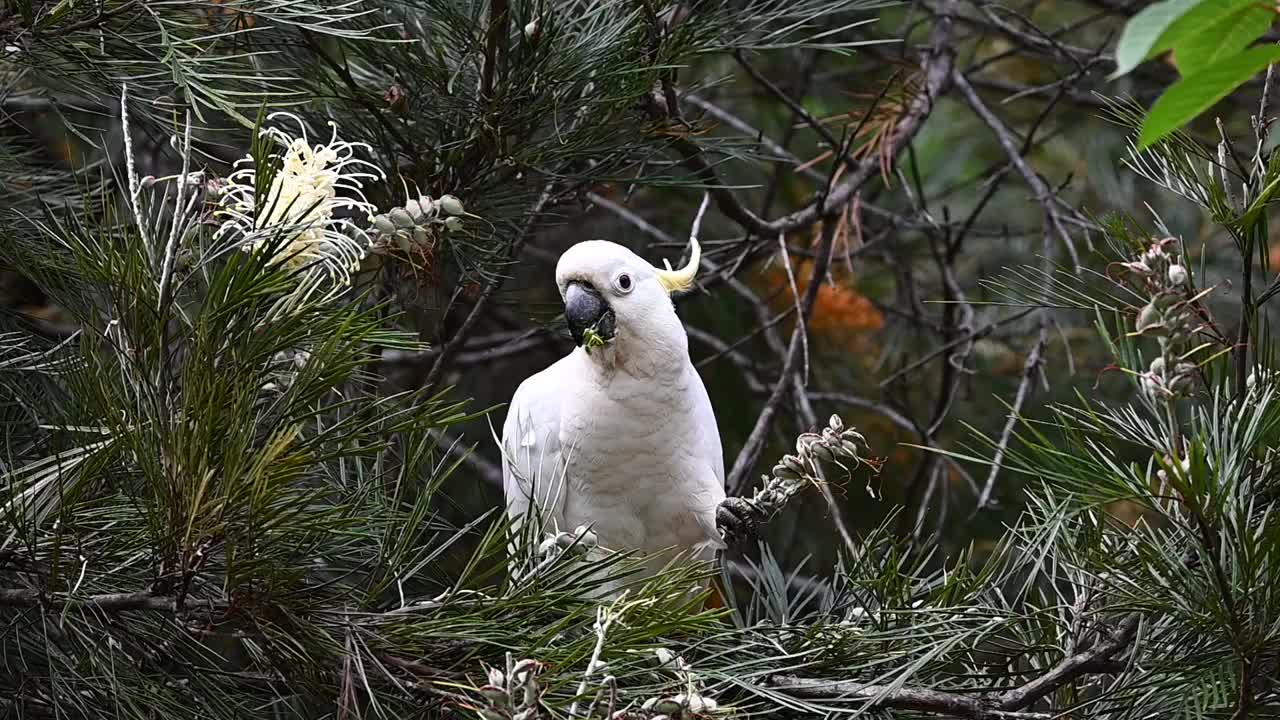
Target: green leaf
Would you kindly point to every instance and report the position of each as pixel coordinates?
(1199, 42)
(1196, 93)
(1144, 32)
(1195, 22)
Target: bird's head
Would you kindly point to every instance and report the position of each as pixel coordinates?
(611, 294)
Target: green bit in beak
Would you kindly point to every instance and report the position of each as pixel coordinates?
(592, 339)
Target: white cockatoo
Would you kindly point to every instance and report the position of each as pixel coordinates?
(619, 435)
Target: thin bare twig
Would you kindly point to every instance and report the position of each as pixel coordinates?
(1030, 370)
(755, 441)
(975, 334)
(936, 64)
(1041, 191)
(742, 126)
(459, 337)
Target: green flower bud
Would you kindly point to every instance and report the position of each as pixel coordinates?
(417, 208)
(401, 218)
(667, 706)
(383, 225)
(452, 205)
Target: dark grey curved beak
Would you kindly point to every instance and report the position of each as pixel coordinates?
(585, 309)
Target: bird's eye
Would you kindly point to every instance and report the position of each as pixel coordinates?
(624, 283)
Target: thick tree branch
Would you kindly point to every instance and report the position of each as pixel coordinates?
(1098, 659)
(904, 698)
(1074, 666)
(495, 46)
(109, 602)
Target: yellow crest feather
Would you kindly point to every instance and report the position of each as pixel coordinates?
(674, 281)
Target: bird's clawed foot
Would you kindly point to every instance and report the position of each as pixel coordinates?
(581, 540)
(739, 519)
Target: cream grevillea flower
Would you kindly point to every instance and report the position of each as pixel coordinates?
(297, 212)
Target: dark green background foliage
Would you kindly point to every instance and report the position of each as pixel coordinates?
(223, 499)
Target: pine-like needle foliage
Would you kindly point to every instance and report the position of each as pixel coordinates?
(209, 509)
(509, 105)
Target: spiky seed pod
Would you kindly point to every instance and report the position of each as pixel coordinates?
(783, 472)
(697, 704)
(794, 464)
(1183, 375)
(803, 441)
(496, 695)
(1166, 300)
(1157, 366)
(1149, 320)
(822, 451)
(546, 546)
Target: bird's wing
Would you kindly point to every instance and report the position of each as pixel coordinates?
(709, 453)
(533, 467)
(707, 444)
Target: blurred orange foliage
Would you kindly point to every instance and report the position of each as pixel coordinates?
(839, 308)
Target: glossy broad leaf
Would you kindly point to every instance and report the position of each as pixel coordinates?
(1143, 34)
(1194, 94)
(1217, 30)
